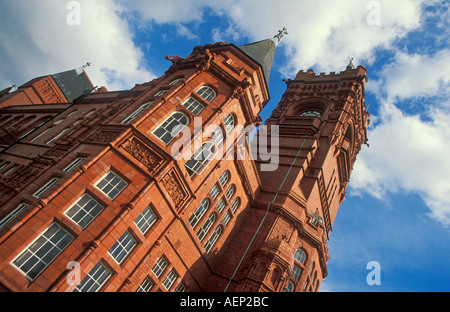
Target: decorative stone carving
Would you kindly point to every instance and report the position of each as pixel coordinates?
(142, 153)
(103, 136)
(174, 189)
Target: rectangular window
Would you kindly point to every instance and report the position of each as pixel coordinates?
(45, 188)
(36, 257)
(170, 279)
(96, 278)
(56, 137)
(21, 207)
(160, 266)
(136, 112)
(4, 165)
(145, 220)
(146, 285)
(10, 170)
(74, 164)
(84, 211)
(193, 105)
(42, 133)
(111, 185)
(180, 288)
(122, 247)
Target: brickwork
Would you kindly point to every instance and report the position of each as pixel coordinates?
(198, 225)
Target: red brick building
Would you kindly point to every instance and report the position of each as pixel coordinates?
(93, 199)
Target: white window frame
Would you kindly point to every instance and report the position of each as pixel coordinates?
(160, 266)
(123, 249)
(207, 93)
(10, 170)
(203, 231)
(229, 122)
(174, 82)
(56, 137)
(46, 187)
(42, 133)
(146, 285)
(224, 178)
(199, 212)
(146, 219)
(227, 217)
(170, 279)
(160, 92)
(13, 214)
(84, 211)
(98, 280)
(215, 191)
(175, 130)
(32, 253)
(108, 183)
(74, 164)
(137, 112)
(300, 256)
(221, 204)
(200, 160)
(231, 190)
(235, 204)
(213, 238)
(194, 106)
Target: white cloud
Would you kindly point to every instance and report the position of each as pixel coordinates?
(38, 40)
(409, 152)
(324, 33)
(417, 75)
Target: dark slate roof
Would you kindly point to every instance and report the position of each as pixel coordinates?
(262, 52)
(73, 83)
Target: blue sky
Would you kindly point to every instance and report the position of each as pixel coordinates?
(397, 210)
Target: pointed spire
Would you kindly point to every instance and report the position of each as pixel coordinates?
(263, 52)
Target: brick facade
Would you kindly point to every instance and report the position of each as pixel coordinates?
(58, 156)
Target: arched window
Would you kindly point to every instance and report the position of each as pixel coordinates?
(207, 93)
(224, 178)
(194, 106)
(311, 113)
(213, 239)
(174, 82)
(217, 136)
(289, 287)
(229, 122)
(230, 191)
(300, 256)
(200, 159)
(171, 127)
(199, 212)
(206, 226)
(235, 204)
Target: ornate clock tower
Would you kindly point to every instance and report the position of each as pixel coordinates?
(321, 122)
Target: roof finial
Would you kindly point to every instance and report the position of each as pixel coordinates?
(281, 34)
(350, 64)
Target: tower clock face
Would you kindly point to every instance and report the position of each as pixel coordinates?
(311, 113)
